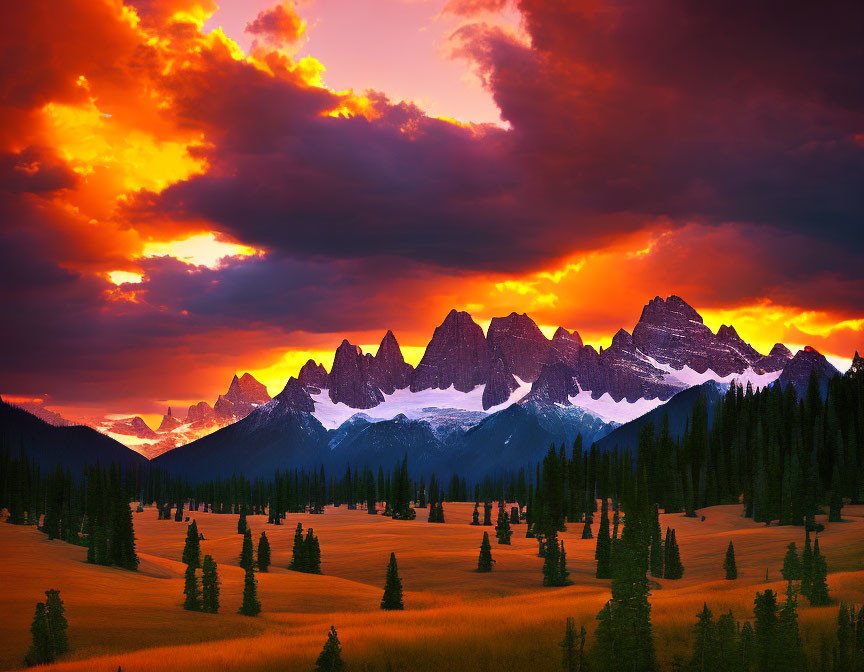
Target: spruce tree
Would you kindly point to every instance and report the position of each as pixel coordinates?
(40, 651)
(551, 561)
(706, 646)
(192, 549)
(475, 517)
(818, 594)
(836, 500)
(845, 639)
(673, 567)
(311, 553)
(247, 561)
(502, 528)
(572, 648)
(729, 563)
(210, 586)
(603, 549)
(791, 564)
(586, 529)
(251, 605)
(55, 615)
(263, 553)
(487, 513)
(746, 648)
(484, 563)
(298, 553)
(563, 572)
(514, 515)
(788, 637)
(392, 598)
(728, 643)
(330, 659)
(192, 590)
(241, 524)
(765, 626)
(806, 566)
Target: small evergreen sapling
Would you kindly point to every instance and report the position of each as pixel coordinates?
(502, 528)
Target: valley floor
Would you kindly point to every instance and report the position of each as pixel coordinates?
(455, 619)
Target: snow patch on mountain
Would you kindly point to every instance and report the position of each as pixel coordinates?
(609, 410)
(687, 377)
(414, 405)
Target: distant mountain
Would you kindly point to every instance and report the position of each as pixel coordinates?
(70, 447)
(806, 362)
(46, 414)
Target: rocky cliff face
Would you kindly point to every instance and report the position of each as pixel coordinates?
(169, 422)
(388, 370)
(565, 347)
(499, 385)
(857, 365)
(350, 380)
(457, 355)
(673, 333)
(518, 342)
(202, 412)
(798, 370)
(774, 360)
(313, 377)
(243, 396)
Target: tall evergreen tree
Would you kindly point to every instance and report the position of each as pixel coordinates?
(392, 598)
(55, 615)
(806, 565)
(330, 659)
(251, 605)
(484, 562)
(603, 549)
(298, 553)
(247, 561)
(502, 528)
(263, 554)
(475, 517)
(673, 568)
(40, 651)
(846, 635)
(241, 524)
(729, 563)
(312, 553)
(192, 590)
(572, 648)
(791, 564)
(818, 594)
(192, 549)
(765, 627)
(210, 586)
(788, 637)
(706, 646)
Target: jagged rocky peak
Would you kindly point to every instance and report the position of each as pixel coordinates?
(672, 332)
(169, 422)
(388, 369)
(806, 362)
(350, 378)
(556, 384)
(499, 386)
(133, 427)
(774, 360)
(200, 412)
(857, 365)
(562, 335)
(518, 342)
(247, 390)
(622, 340)
(458, 355)
(295, 397)
(565, 347)
(313, 376)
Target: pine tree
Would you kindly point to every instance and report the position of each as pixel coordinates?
(727, 642)
(192, 590)
(247, 560)
(514, 515)
(656, 554)
(845, 639)
(251, 606)
(192, 549)
(487, 514)
(330, 659)
(241, 524)
(765, 626)
(603, 549)
(806, 566)
(210, 586)
(673, 567)
(55, 615)
(586, 529)
(393, 587)
(551, 561)
(729, 563)
(298, 553)
(788, 637)
(40, 651)
(572, 647)
(312, 553)
(484, 563)
(818, 594)
(791, 564)
(746, 647)
(563, 572)
(706, 647)
(122, 532)
(263, 553)
(502, 528)
(475, 517)
(836, 500)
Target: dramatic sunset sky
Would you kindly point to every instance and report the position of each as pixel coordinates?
(189, 189)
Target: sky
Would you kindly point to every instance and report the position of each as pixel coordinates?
(190, 189)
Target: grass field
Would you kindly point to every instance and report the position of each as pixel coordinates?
(455, 619)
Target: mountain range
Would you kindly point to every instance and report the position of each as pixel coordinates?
(480, 403)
